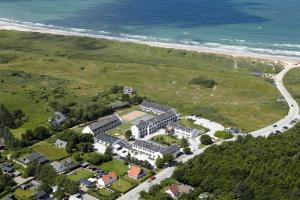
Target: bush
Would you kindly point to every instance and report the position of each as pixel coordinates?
(206, 140)
(208, 83)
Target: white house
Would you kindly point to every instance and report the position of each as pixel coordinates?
(152, 125)
(107, 179)
(102, 125)
(155, 108)
(183, 131)
(153, 150)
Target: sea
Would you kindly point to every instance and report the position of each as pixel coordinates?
(259, 26)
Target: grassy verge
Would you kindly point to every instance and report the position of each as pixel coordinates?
(190, 123)
(85, 67)
(51, 152)
(165, 139)
(292, 83)
(24, 194)
(80, 174)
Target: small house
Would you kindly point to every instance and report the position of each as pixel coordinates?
(35, 157)
(136, 172)
(176, 190)
(60, 144)
(108, 179)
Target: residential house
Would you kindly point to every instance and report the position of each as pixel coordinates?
(108, 179)
(35, 157)
(182, 131)
(61, 144)
(155, 108)
(154, 150)
(176, 190)
(136, 172)
(128, 90)
(35, 184)
(7, 168)
(42, 195)
(86, 183)
(102, 125)
(64, 165)
(82, 196)
(152, 125)
(58, 119)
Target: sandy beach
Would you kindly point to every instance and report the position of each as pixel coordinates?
(6, 25)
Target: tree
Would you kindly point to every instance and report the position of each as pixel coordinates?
(77, 157)
(168, 158)
(206, 140)
(41, 133)
(30, 170)
(46, 174)
(184, 143)
(6, 182)
(187, 150)
(128, 134)
(159, 162)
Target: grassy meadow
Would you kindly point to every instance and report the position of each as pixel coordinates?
(292, 83)
(84, 67)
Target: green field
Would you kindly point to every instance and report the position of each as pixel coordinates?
(84, 67)
(165, 139)
(292, 83)
(115, 166)
(120, 130)
(24, 194)
(122, 185)
(80, 174)
(51, 152)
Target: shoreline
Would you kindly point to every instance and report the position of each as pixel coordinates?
(201, 49)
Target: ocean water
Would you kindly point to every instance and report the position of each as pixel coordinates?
(261, 26)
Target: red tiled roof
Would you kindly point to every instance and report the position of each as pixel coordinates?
(134, 171)
(175, 190)
(111, 177)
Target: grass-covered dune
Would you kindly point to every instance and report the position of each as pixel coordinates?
(86, 66)
(292, 82)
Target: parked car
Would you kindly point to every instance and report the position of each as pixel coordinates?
(152, 178)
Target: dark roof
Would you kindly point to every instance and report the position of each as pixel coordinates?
(42, 195)
(171, 149)
(150, 145)
(36, 157)
(107, 138)
(155, 106)
(162, 117)
(181, 127)
(86, 182)
(143, 124)
(104, 121)
(124, 144)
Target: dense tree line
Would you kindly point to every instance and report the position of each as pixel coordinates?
(249, 168)
(11, 119)
(6, 182)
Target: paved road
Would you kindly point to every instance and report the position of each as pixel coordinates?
(293, 107)
(292, 114)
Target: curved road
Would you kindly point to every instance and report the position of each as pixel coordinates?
(293, 107)
(265, 132)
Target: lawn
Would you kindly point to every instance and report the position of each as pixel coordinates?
(84, 67)
(120, 130)
(115, 165)
(24, 194)
(80, 174)
(48, 150)
(122, 185)
(165, 139)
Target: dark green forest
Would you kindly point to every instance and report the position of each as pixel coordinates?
(250, 168)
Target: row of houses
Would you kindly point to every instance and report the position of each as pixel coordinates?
(154, 150)
(103, 125)
(152, 125)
